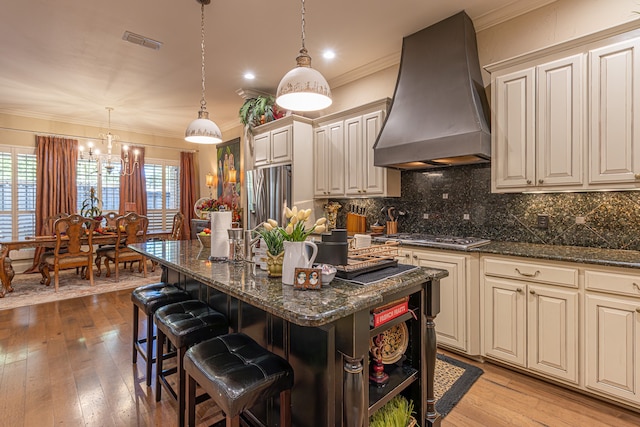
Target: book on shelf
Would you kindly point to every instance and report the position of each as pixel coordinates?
(388, 312)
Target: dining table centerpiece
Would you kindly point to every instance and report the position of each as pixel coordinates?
(296, 245)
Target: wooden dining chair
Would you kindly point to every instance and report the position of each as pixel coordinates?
(72, 234)
(176, 232)
(131, 228)
(111, 219)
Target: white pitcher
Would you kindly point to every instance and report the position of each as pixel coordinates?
(296, 256)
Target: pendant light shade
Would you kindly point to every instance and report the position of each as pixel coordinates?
(202, 130)
(303, 88)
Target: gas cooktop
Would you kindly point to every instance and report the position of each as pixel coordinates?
(436, 241)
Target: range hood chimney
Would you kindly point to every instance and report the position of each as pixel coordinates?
(439, 113)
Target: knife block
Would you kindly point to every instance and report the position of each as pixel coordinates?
(392, 227)
(356, 223)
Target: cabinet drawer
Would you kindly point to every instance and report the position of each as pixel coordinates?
(532, 272)
(625, 284)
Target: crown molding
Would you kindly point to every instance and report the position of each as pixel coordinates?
(505, 13)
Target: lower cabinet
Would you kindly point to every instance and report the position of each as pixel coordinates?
(457, 325)
(530, 325)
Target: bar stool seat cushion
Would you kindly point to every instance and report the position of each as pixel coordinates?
(188, 322)
(151, 297)
(237, 372)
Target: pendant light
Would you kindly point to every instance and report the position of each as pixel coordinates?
(303, 88)
(202, 130)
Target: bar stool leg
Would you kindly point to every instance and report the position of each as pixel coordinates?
(191, 401)
(285, 408)
(149, 349)
(159, 344)
(181, 385)
(135, 333)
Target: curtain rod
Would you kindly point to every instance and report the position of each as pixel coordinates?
(95, 139)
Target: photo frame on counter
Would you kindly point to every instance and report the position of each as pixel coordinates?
(307, 278)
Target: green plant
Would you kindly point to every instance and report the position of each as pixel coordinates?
(258, 110)
(396, 413)
(91, 205)
(271, 237)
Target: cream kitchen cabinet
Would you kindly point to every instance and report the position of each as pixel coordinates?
(343, 155)
(457, 325)
(531, 316)
(273, 146)
(537, 138)
(614, 114)
(612, 333)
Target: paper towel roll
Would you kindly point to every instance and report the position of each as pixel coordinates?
(220, 223)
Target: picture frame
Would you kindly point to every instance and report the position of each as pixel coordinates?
(230, 176)
(307, 278)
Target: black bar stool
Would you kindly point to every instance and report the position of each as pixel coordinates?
(236, 372)
(183, 324)
(149, 298)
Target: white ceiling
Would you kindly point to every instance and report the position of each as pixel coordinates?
(66, 60)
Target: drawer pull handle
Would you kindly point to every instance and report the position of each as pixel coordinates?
(519, 290)
(532, 292)
(635, 285)
(528, 274)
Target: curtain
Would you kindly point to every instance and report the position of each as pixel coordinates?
(133, 187)
(187, 192)
(56, 186)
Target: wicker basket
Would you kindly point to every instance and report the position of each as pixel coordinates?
(205, 240)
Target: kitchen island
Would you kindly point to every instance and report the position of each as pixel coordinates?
(324, 334)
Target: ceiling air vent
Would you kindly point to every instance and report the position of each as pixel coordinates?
(141, 40)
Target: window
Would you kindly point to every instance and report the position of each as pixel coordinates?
(106, 184)
(17, 192)
(163, 193)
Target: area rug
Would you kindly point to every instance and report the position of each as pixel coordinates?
(29, 291)
(453, 378)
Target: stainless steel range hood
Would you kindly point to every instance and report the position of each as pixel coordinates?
(439, 115)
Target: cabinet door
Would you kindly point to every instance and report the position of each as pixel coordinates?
(560, 93)
(513, 131)
(281, 140)
(552, 332)
(614, 139)
(261, 149)
(321, 162)
(374, 177)
(612, 346)
(335, 133)
(451, 321)
(504, 320)
(354, 159)
(405, 256)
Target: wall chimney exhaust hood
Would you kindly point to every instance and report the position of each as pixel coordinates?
(439, 115)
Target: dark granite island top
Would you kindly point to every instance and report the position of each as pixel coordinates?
(305, 308)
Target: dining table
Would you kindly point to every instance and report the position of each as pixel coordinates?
(29, 242)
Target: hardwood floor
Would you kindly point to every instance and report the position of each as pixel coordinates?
(69, 363)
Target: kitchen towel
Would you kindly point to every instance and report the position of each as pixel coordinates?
(220, 223)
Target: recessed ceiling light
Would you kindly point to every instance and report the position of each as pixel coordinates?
(249, 75)
(329, 54)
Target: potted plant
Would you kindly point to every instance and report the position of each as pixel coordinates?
(275, 247)
(258, 110)
(396, 413)
(91, 206)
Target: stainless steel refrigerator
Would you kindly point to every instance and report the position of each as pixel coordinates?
(268, 192)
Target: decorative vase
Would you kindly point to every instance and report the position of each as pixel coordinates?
(274, 264)
(296, 256)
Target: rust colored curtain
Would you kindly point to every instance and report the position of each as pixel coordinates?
(187, 192)
(133, 187)
(56, 187)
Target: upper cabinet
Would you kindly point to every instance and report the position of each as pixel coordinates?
(562, 118)
(343, 155)
(273, 147)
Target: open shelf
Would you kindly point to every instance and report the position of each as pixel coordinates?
(402, 318)
(400, 377)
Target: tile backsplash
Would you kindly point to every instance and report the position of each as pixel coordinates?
(597, 219)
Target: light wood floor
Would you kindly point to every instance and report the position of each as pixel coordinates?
(69, 363)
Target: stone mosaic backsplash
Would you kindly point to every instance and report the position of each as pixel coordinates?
(605, 219)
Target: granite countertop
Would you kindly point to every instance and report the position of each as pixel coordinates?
(249, 284)
(585, 255)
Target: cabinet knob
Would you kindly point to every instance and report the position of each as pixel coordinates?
(415, 257)
(637, 176)
(364, 191)
(407, 255)
(532, 292)
(519, 290)
(638, 310)
(540, 181)
(528, 182)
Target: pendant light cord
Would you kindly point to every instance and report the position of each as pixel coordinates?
(203, 102)
(303, 22)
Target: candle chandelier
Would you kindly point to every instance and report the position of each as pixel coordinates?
(128, 164)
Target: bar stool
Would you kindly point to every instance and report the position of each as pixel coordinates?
(183, 324)
(236, 372)
(149, 298)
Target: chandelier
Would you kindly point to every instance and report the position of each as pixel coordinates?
(303, 88)
(203, 130)
(127, 166)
